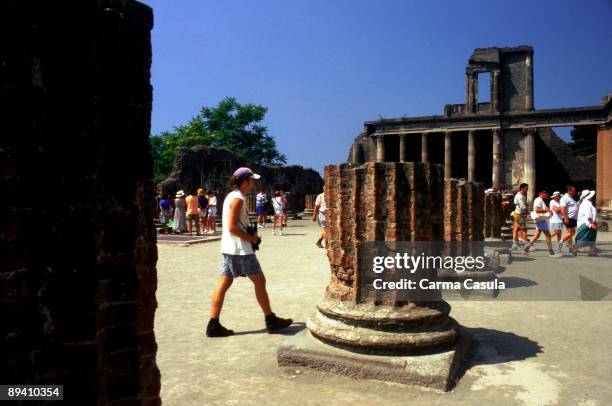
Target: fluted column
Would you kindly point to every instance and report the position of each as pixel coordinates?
(402, 148)
(471, 157)
(529, 174)
(380, 148)
(424, 148)
(497, 158)
(448, 159)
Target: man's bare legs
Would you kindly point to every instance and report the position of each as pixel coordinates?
(259, 281)
(216, 303)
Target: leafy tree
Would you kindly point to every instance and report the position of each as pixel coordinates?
(584, 140)
(231, 125)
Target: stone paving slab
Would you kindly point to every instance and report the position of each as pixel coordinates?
(181, 239)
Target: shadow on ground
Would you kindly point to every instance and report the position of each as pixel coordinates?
(292, 330)
(517, 282)
(497, 347)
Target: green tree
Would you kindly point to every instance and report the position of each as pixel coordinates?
(231, 125)
(584, 140)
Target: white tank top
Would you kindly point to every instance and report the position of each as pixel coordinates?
(230, 243)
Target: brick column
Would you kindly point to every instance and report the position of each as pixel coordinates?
(448, 158)
(380, 148)
(471, 177)
(604, 168)
(424, 148)
(78, 267)
(497, 159)
(387, 202)
(529, 174)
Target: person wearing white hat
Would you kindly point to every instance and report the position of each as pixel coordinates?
(239, 241)
(556, 219)
(180, 213)
(587, 224)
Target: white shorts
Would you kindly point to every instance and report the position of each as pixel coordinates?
(212, 212)
(556, 226)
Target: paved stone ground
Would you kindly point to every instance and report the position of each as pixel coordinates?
(525, 352)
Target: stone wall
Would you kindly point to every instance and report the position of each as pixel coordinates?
(208, 167)
(78, 277)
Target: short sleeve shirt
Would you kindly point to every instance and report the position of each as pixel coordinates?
(261, 199)
(556, 217)
(571, 207)
(520, 203)
(321, 202)
(539, 202)
(192, 204)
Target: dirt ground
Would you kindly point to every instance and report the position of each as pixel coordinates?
(524, 352)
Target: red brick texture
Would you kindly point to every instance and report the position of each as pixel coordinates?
(377, 202)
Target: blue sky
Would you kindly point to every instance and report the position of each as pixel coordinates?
(324, 67)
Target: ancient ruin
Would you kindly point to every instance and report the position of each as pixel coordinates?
(204, 166)
(500, 138)
(376, 335)
(78, 276)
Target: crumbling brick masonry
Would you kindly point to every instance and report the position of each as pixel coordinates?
(78, 246)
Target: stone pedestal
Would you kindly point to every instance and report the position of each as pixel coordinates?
(378, 336)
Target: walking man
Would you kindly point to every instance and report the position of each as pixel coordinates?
(541, 218)
(238, 256)
(519, 215)
(569, 212)
(319, 217)
(556, 219)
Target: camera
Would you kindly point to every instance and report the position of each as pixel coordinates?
(252, 230)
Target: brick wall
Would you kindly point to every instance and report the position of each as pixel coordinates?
(78, 246)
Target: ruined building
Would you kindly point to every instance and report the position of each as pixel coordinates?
(500, 138)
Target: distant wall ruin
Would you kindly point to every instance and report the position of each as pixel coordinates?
(204, 166)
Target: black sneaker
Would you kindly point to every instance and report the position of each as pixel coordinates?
(274, 323)
(215, 329)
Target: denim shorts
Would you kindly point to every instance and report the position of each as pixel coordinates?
(239, 265)
(542, 225)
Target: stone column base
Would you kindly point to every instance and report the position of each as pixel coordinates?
(436, 370)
